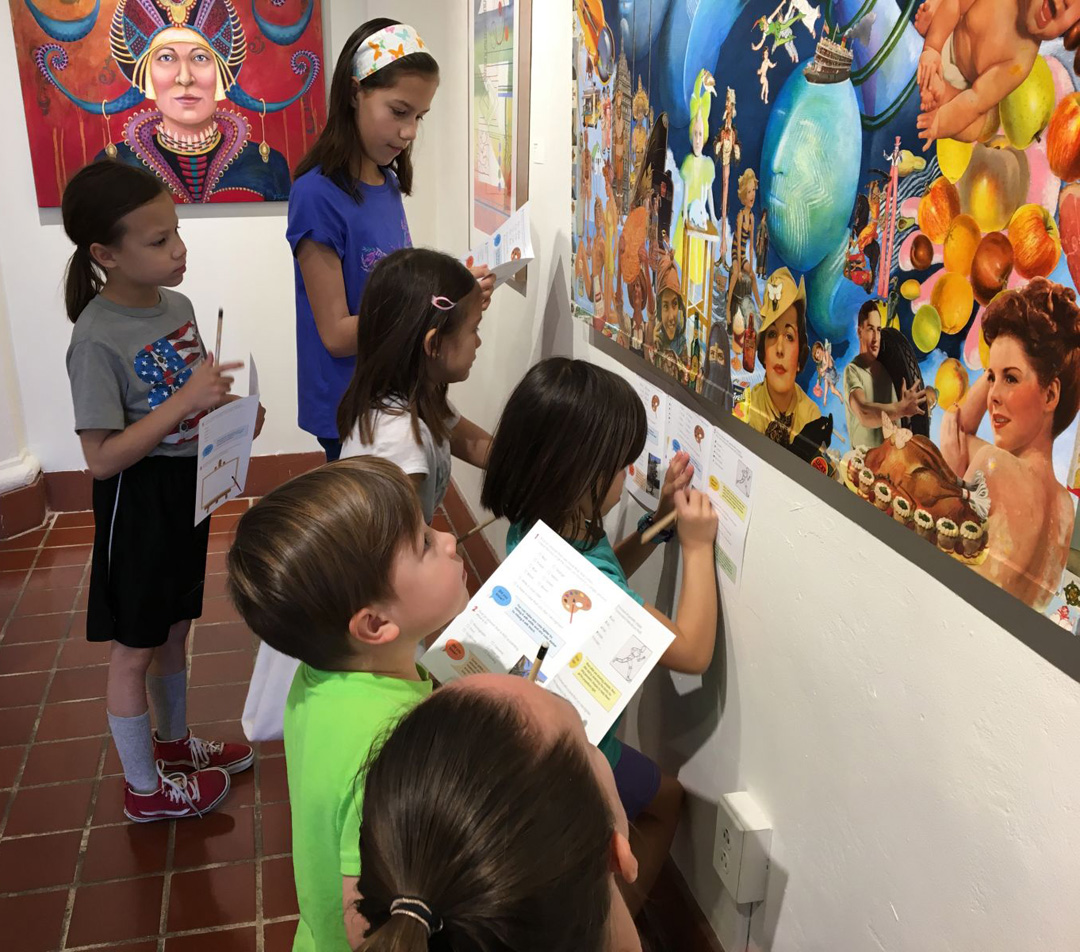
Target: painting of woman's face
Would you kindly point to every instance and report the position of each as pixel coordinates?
(670, 311)
(1020, 409)
(697, 135)
(782, 354)
(185, 80)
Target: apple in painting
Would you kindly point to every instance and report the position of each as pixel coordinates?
(1069, 215)
(1033, 233)
(991, 266)
(937, 208)
(1063, 139)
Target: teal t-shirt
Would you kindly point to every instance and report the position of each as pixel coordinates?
(602, 555)
(332, 719)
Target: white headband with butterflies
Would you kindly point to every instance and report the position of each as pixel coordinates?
(385, 47)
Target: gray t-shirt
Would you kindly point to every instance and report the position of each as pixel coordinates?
(877, 387)
(124, 362)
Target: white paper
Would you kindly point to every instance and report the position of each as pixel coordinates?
(732, 472)
(689, 431)
(646, 474)
(508, 250)
(225, 438)
(602, 643)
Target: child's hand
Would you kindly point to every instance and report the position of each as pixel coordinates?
(486, 280)
(677, 478)
(928, 124)
(260, 418)
(924, 16)
(930, 72)
(208, 386)
(697, 521)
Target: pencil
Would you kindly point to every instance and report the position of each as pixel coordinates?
(217, 349)
(534, 671)
(475, 529)
(657, 527)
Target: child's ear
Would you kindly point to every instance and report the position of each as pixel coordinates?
(355, 91)
(103, 255)
(430, 347)
(371, 626)
(621, 859)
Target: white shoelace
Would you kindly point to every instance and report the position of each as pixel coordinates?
(180, 788)
(202, 749)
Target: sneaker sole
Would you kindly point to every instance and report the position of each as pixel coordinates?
(238, 767)
(183, 815)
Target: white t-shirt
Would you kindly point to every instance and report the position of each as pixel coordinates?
(393, 439)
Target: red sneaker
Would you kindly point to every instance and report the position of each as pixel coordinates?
(194, 752)
(178, 795)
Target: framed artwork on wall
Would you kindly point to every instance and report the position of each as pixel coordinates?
(218, 98)
(500, 66)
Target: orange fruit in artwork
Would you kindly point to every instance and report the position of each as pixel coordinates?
(954, 299)
(937, 208)
(961, 242)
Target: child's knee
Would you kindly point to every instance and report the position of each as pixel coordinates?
(126, 661)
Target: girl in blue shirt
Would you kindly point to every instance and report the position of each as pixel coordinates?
(345, 207)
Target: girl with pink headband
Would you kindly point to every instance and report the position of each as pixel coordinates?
(345, 208)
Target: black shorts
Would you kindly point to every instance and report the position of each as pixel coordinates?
(149, 560)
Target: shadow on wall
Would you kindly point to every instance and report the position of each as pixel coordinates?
(556, 337)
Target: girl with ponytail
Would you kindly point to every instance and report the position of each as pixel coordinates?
(140, 382)
(490, 824)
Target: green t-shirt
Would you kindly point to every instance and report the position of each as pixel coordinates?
(603, 556)
(332, 718)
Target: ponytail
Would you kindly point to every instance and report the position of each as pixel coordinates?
(82, 282)
(400, 933)
(95, 202)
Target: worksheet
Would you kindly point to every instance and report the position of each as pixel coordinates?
(689, 431)
(601, 643)
(225, 438)
(646, 474)
(731, 492)
(508, 250)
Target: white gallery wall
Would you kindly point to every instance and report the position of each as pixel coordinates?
(921, 767)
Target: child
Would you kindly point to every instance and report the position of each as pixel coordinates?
(511, 836)
(559, 455)
(345, 209)
(418, 332)
(139, 391)
(336, 568)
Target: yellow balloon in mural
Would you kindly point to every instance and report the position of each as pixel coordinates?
(926, 328)
(953, 158)
(910, 289)
(951, 383)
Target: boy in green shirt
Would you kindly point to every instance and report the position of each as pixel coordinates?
(338, 569)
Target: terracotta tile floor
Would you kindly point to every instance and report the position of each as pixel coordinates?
(74, 874)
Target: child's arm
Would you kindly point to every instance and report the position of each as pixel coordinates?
(963, 115)
(355, 924)
(631, 552)
(109, 452)
(695, 626)
(470, 443)
(324, 283)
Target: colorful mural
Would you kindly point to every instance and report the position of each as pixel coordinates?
(855, 226)
(218, 100)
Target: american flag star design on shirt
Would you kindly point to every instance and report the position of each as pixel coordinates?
(165, 365)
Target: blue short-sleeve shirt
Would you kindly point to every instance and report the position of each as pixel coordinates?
(360, 233)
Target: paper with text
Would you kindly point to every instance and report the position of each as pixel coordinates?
(508, 250)
(731, 477)
(691, 432)
(647, 472)
(602, 643)
(225, 438)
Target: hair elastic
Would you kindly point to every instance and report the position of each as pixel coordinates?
(384, 47)
(416, 909)
(442, 302)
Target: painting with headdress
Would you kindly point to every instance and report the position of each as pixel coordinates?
(217, 98)
(855, 227)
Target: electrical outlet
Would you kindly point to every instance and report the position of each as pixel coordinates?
(741, 850)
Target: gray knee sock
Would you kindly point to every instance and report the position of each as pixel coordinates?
(168, 695)
(132, 738)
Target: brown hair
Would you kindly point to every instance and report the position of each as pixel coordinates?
(339, 142)
(1043, 317)
(95, 202)
(396, 313)
(312, 553)
(567, 430)
(504, 838)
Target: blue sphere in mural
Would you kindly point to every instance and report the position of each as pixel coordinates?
(641, 20)
(832, 301)
(810, 168)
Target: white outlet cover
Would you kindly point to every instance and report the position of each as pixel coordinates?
(741, 849)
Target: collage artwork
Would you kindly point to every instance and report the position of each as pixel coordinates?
(855, 225)
(132, 79)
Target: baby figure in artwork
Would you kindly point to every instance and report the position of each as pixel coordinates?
(827, 374)
(974, 54)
